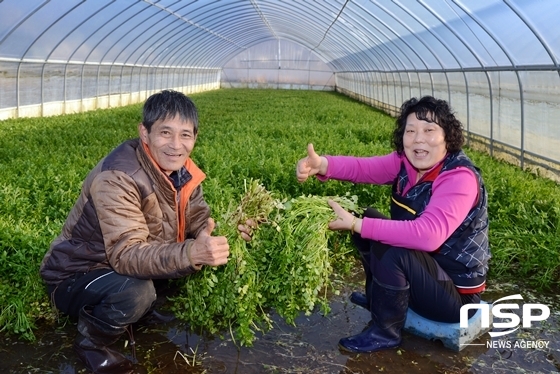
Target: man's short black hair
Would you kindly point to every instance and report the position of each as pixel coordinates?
(169, 104)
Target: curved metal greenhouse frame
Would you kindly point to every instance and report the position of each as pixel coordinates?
(495, 61)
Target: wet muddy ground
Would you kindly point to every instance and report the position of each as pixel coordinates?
(308, 347)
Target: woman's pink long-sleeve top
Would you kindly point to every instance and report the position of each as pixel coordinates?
(454, 193)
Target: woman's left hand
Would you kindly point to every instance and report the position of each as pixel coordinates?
(345, 220)
(246, 230)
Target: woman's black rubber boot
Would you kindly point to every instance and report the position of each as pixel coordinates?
(360, 299)
(388, 314)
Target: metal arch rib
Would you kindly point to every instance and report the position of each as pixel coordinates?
(330, 26)
(132, 41)
(17, 25)
(192, 23)
(475, 55)
(49, 27)
(263, 17)
(404, 41)
(520, 83)
(397, 34)
(537, 35)
(75, 28)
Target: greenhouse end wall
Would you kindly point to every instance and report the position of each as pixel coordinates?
(33, 89)
(509, 114)
(278, 64)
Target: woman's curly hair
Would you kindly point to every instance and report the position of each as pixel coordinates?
(435, 110)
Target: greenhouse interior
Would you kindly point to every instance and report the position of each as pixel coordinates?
(496, 62)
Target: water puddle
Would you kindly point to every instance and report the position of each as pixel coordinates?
(308, 347)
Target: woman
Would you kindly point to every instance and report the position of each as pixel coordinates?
(432, 254)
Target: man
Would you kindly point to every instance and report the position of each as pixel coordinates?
(141, 216)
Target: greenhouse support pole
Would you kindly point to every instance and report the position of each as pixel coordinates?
(448, 89)
(110, 81)
(147, 93)
(308, 63)
(504, 50)
(468, 106)
(42, 89)
(410, 83)
(394, 91)
(430, 74)
(97, 86)
(18, 100)
(82, 106)
(522, 102)
(121, 86)
(131, 85)
(458, 36)
(64, 105)
(399, 103)
(279, 64)
(7, 33)
(491, 93)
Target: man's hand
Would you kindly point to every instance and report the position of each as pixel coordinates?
(310, 165)
(209, 250)
(246, 230)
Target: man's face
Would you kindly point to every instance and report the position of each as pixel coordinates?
(171, 141)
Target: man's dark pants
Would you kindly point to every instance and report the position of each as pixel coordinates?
(116, 299)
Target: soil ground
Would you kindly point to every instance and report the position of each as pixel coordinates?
(309, 347)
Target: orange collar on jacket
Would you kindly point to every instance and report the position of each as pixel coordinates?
(186, 191)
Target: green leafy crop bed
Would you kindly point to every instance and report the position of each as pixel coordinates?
(247, 139)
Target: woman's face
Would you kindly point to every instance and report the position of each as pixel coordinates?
(424, 143)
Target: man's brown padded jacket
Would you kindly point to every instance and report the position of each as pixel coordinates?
(128, 218)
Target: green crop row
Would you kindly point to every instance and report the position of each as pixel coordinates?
(244, 135)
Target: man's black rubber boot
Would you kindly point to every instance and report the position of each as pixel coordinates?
(155, 317)
(388, 314)
(91, 345)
